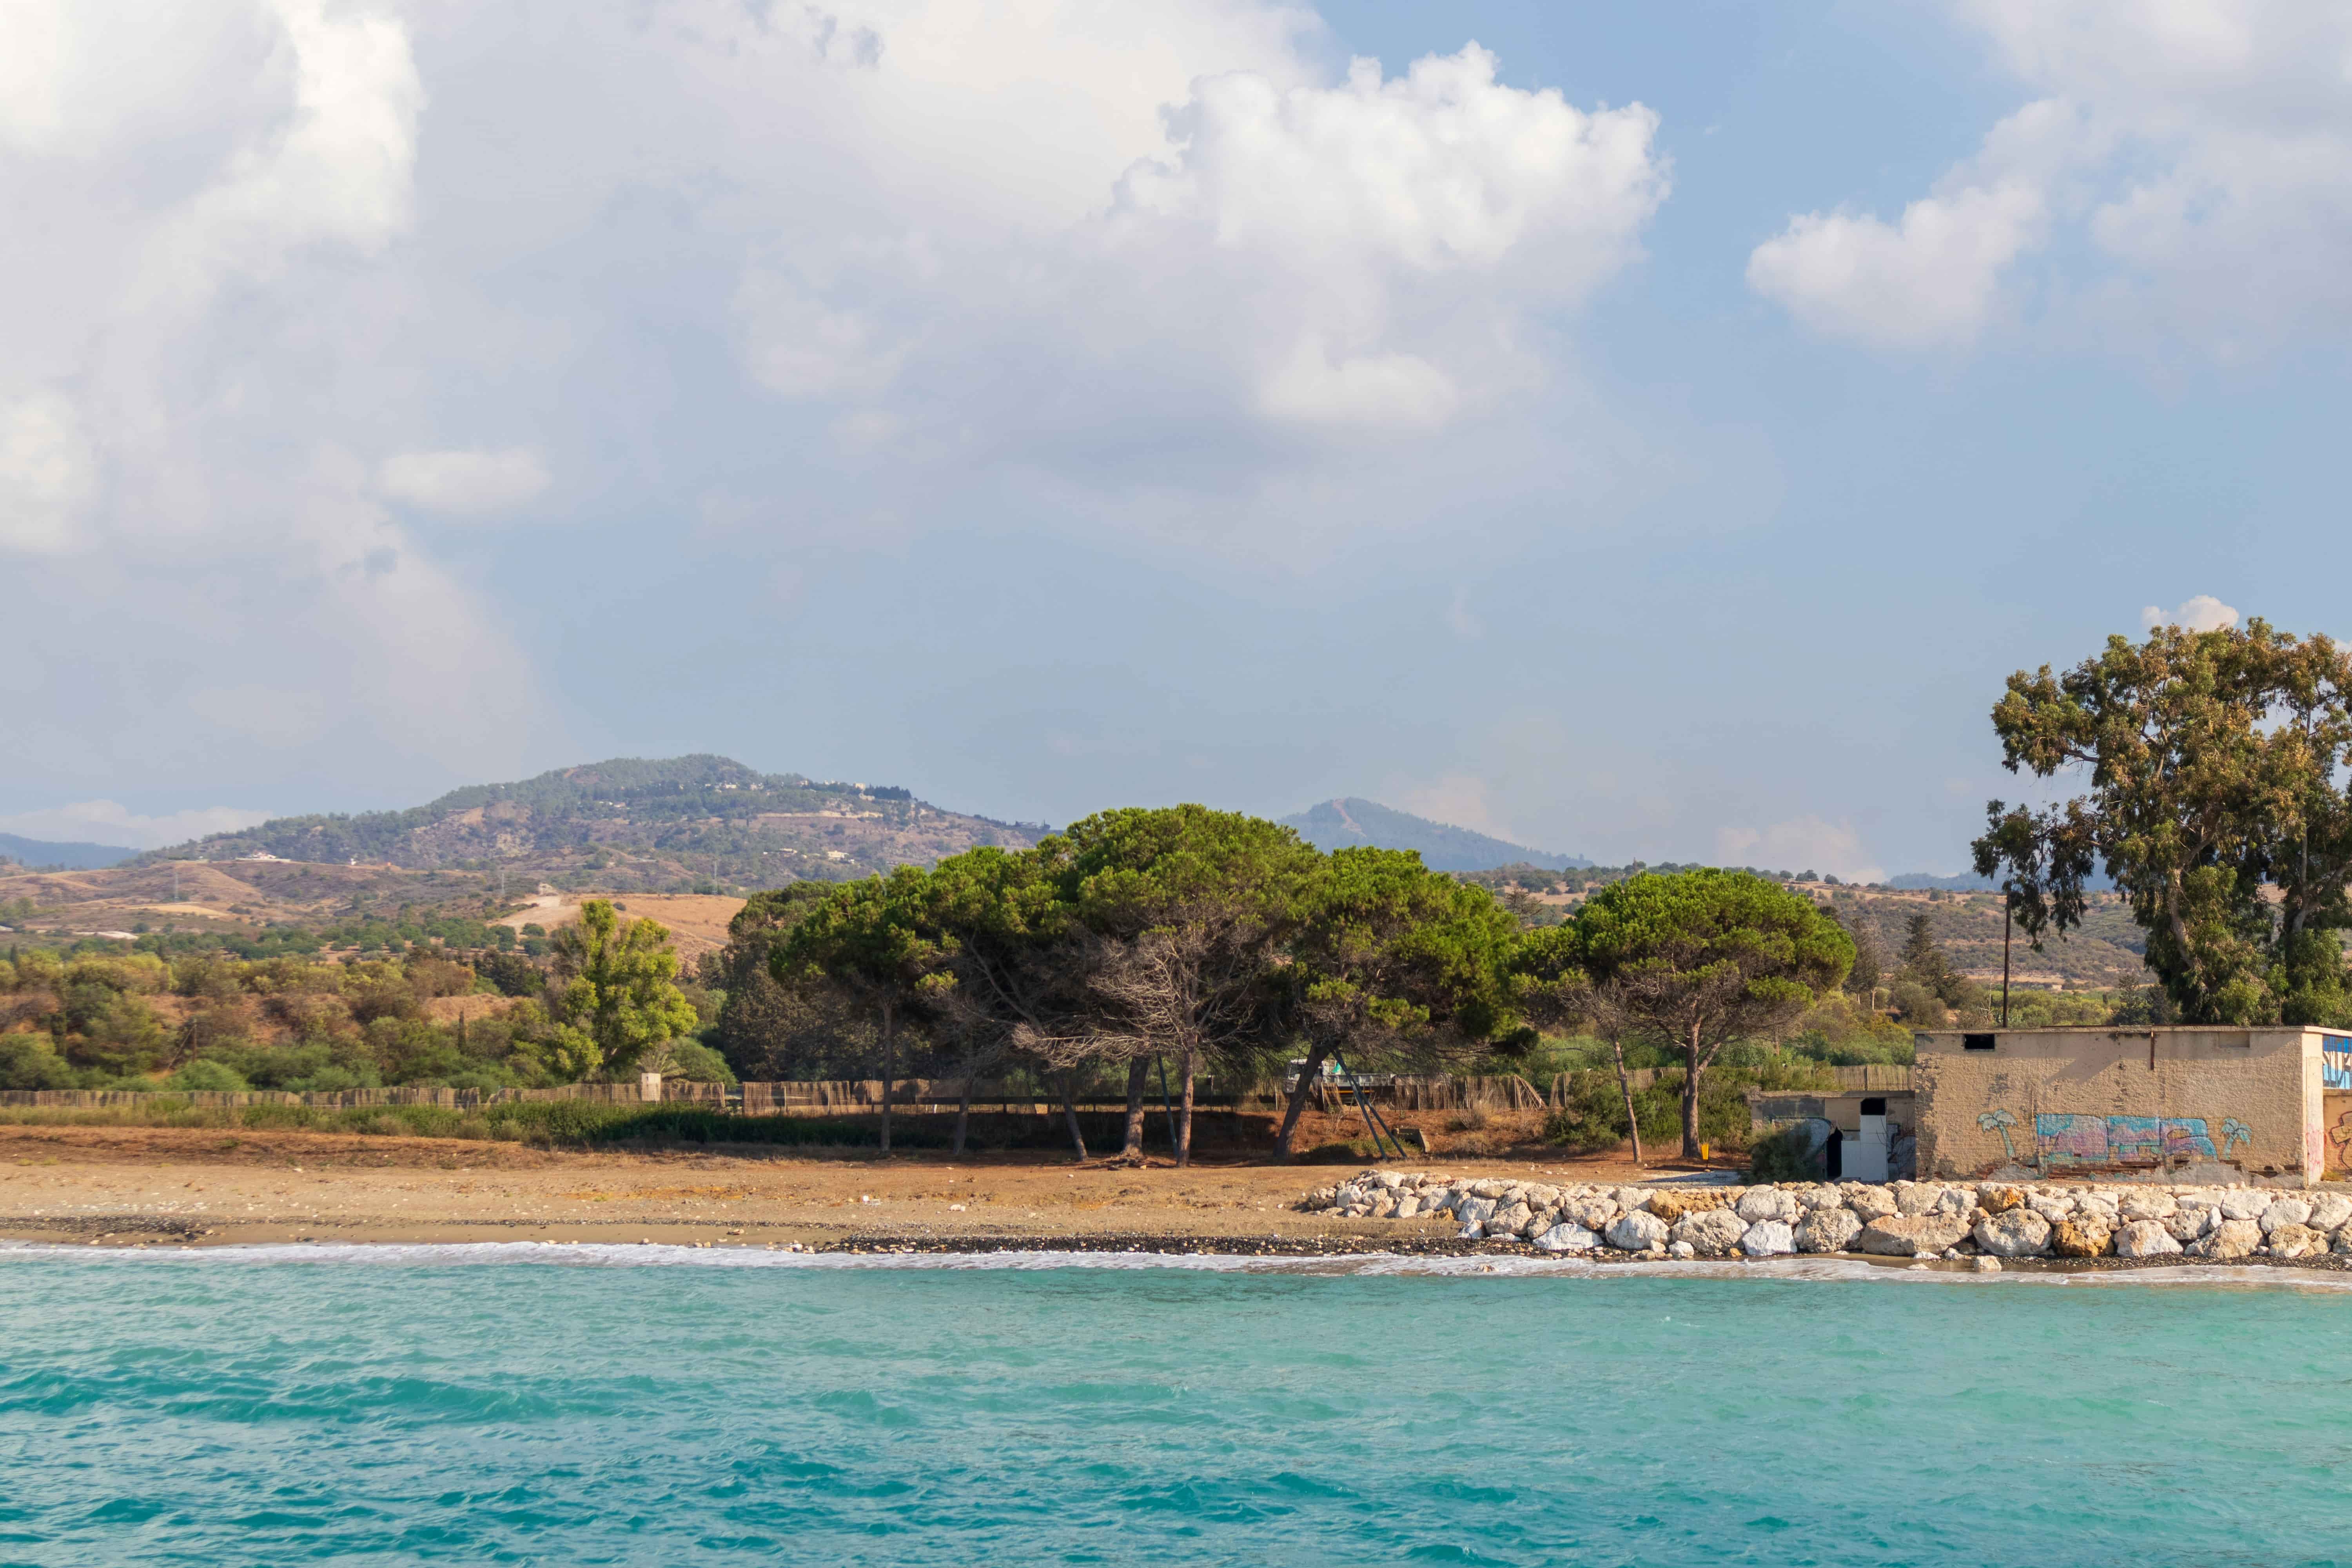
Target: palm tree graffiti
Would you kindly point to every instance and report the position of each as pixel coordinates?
(2000, 1122)
(2233, 1132)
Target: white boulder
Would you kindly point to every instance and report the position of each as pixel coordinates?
(1592, 1213)
(2228, 1238)
(2245, 1203)
(1758, 1204)
(1869, 1203)
(1828, 1230)
(1712, 1233)
(1769, 1238)
(2284, 1212)
(1567, 1239)
(2145, 1238)
(2014, 1233)
(2297, 1241)
(1638, 1231)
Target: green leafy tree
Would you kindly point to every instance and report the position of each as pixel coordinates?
(1392, 958)
(1011, 943)
(1187, 910)
(1869, 960)
(1695, 960)
(617, 996)
(876, 939)
(2217, 803)
(770, 1030)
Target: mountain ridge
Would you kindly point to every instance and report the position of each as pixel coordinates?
(73, 855)
(1353, 820)
(668, 815)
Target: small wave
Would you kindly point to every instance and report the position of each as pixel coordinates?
(660, 1255)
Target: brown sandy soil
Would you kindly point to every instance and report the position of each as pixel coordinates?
(697, 921)
(136, 1186)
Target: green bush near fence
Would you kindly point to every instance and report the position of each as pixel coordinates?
(586, 1123)
(1785, 1155)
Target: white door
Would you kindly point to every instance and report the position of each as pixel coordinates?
(1866, 1152)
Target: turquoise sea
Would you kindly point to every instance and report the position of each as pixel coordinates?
(528, 1403)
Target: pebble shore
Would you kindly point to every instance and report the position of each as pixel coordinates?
(1987, 1222)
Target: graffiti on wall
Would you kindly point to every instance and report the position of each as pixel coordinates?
(2336, 1061)
(2064, 1139)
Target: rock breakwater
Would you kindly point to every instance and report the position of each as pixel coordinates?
(1989, 1220)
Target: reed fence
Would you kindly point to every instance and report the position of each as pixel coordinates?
(914, 1097)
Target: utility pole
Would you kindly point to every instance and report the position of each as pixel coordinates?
(2007, 912)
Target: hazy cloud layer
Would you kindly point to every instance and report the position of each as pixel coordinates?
(109, 822)
(1056, 404)
(465, 484)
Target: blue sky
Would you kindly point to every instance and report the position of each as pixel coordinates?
(1653, 432)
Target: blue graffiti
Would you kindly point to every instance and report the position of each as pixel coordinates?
(2336, 1061)
(2063, 1140)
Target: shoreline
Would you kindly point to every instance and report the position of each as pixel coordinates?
(193, 1190)
(1476, 1260)
(67, 1238)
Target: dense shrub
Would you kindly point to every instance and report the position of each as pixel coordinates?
(28, 1061)
(1785, 1155)
(584, 1121)
(1594, 1117)
(206, 1075)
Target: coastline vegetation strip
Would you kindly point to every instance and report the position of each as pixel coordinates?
(576, 1124)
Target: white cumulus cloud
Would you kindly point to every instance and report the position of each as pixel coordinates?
(885, 264)
(221, 313)
(465, 484)
(2202, 613)
(1932, 276)
(2181, 174)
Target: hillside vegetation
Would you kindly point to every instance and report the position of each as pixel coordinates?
(648, 823)
(679, 826)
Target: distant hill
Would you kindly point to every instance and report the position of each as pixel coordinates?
(1335, 824)
(74, 857)
(1920, 881)
(628, 822)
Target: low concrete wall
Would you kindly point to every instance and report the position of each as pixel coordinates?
(2052, 1102)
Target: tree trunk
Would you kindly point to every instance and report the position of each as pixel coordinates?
(1309, 1075)
(1690, 1096)
(889, 1062)
(1184, 1127)
(963, 1111)
(1137, 1080)
(1625, 1088)
(1070, 1110)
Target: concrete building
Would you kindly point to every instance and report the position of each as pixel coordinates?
(2179, 1104)
(1857, 1134)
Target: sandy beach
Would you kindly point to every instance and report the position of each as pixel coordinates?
(147, 1186)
